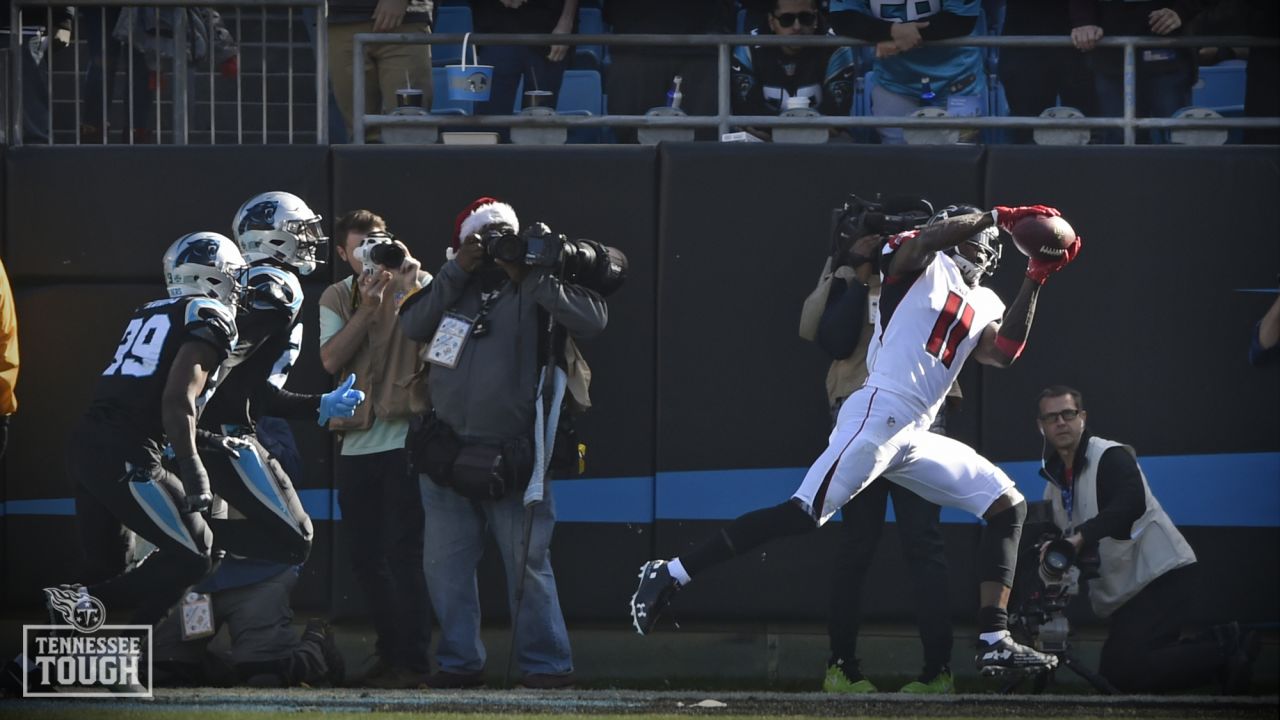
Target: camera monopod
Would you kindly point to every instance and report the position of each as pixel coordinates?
(546, 421)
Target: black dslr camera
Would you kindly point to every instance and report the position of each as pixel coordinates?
(379, 248)
(587, 263)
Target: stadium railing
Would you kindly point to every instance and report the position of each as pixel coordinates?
(278, 119)
(724, 120)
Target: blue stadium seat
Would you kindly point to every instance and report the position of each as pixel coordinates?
(580, 92)
(590, 22)
(1220, 86)
(450, 19)
(440, 102)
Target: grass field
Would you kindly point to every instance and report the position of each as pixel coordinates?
(304, 704)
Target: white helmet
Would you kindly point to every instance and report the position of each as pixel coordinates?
(205, 264)
(279, 226)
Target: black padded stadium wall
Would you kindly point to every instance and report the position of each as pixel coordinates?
(707, 403)
(1152, 325)
(94, 224)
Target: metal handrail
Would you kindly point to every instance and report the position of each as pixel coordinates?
(724, 118)
(180, 76)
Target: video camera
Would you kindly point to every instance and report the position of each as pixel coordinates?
(587, 263)
(379, 248)
(859, 217)
(1039, 619)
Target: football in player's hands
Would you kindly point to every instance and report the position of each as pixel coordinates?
(1043, 238)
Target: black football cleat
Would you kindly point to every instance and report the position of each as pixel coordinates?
(652, 595)
(1005, 655)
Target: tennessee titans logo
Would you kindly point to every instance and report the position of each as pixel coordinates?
(259, 217)
(85, 613)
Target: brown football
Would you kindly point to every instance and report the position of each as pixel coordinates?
(1044, 237)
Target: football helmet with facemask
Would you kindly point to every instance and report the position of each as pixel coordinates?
(205, 264)
(984, 247)
(279, 226)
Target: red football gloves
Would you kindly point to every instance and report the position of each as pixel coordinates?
(1007, 217)
(1040, 270)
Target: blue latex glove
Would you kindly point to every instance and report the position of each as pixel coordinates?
(341, 402)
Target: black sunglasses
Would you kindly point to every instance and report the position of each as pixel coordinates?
(1066, 415)
(806, 19)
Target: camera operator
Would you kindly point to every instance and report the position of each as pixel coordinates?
(378, 496)
(483, 319)
(846, 297)
(1100, 498)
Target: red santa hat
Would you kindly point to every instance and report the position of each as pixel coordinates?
(483, 211)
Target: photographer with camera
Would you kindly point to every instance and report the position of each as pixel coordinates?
(377, 494)
(840, 317)
(1100, 499)
(485, 320)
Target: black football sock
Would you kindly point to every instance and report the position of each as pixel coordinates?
(748, 532)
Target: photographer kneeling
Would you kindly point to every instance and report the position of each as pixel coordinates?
(1101, 498)
(483, 319)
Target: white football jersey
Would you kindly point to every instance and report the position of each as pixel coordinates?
(927, 324)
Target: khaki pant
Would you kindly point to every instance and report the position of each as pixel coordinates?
(387, 68)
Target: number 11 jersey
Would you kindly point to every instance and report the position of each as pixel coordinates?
(927, 323)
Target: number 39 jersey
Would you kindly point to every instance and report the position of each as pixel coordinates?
(129, 391)
(927, 324)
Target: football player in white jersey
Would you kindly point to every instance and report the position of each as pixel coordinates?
(933, 315)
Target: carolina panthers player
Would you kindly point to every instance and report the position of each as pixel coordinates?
(149, 393)
(280, 236)
(933, 314)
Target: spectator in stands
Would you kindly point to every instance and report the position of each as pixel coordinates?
(908, 73)
(105, 55)
(765, 77)
(1164, 75)
(640, 77)
(55, 33)
(1262, 74)
(8, 357)
(387, 66)
(1036, 78)
(541, 67)
(380, 501)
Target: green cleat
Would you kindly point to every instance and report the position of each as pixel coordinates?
(846, 680)
(940, 684)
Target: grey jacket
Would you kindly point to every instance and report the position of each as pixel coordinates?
(490, 394)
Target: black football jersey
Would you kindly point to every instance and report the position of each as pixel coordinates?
(270, 340)
(129, 391)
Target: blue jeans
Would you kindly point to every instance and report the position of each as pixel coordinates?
(510, 63)
(92, 102)
(452, 545)
(1157, 94)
